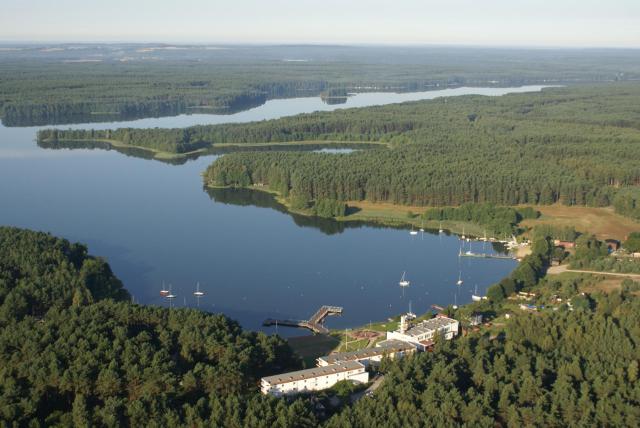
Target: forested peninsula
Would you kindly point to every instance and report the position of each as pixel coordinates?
(575, 146)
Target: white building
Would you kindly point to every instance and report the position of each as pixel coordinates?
(314, 379)
(423, 334)
(388, 348)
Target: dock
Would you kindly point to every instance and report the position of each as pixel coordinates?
(315, 323)
(486, 256)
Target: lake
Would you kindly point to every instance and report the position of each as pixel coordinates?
(154, 222)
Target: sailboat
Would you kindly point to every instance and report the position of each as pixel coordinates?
(170, 295)
(463, 237)
(441, 229)
(422, 226)
(460, 281)
(413, 232)
(410, 314)
(475, 296)
(403, 281)
(198, 293)
(163, 291)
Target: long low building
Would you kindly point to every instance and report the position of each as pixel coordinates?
(423, 334)
(390, 348)
(314, 379)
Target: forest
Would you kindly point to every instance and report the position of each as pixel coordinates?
(575, 146)
(92, 358)
(69, 83)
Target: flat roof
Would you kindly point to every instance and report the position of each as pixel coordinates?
(430, 325)
(311, 373)
(395, 346)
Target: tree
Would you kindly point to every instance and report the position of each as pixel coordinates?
(495, 293)
(632, 243)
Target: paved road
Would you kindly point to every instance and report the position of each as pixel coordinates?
(375, 385)
(554, 270)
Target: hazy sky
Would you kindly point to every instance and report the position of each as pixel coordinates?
(471, 22)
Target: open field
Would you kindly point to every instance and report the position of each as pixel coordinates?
(602, 222)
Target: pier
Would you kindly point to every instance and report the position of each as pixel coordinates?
(315, 323)
(486, 256)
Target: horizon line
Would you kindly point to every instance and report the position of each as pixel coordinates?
(312, 43)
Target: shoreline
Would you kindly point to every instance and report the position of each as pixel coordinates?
(383, 214)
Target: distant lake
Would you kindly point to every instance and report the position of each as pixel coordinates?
(154, 222)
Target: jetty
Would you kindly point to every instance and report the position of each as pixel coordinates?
(315, 323)
(486, 255)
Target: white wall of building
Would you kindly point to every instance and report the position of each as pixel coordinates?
(318, 383)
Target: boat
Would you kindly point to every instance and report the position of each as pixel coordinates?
(198, 293)
(422, 227)
(413, 232)
(163, 291)
(403, 281)
(460, 281)
(475, 296)
(441, 229)
(410, 314)
(463, 237)
(170, 295)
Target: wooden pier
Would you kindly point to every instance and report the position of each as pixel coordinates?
(315, 323)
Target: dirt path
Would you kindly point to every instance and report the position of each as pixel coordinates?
(556, 270)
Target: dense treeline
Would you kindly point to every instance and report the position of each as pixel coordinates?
(499, 221)
(561, 368)
(515, 149)
(627, 202)
(75, 354)
(62, 84)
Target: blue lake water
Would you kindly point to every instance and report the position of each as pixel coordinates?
(154, 222)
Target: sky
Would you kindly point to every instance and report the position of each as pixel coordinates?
(557, 23)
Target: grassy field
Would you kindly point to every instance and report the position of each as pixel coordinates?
(602, 222)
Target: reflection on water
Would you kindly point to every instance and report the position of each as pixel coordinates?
(138, 152)
(246, 197)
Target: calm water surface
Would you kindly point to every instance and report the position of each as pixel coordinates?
(154, 222)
